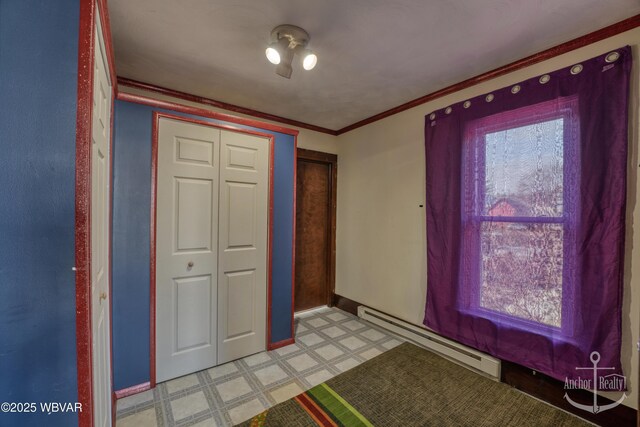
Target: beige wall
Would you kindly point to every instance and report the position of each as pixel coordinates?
(308, 139)
(381, 244)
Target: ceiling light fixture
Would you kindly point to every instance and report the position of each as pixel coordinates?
(287, 40)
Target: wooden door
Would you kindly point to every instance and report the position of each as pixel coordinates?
(315, 228)
(100, 190)
(242, 272)
(187, 248)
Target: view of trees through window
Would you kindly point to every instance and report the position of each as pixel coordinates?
(522, 222)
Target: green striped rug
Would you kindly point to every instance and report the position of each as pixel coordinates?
(410, 386)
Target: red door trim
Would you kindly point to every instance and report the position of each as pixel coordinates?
(154, 205)
(83, 211)
(86, 50)
(180, 108)
(135, 389)
(293, 249)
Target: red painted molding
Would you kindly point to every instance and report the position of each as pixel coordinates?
(154, 207)
(223, 105)
(279, 344)
(114, 412)
(293, 244)
(180, 108)
(135, 389)
(152, 251)
(270, 242)
(113, 402)
(593, 37)
(83, 211)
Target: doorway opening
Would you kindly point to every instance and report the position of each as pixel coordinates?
(316, 190)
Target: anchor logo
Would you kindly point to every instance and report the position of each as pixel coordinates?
(595, 408)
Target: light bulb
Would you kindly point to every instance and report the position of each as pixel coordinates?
(273, 55)
(309, 61)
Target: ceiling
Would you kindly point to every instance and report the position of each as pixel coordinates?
(373, 55)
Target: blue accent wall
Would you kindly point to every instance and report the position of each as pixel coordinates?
(38, 79)
(131, 235)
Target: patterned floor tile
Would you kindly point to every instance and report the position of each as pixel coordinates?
(233, 389)
(329, 352)
(222, 370)
(285, 392)
(257, 359)
(333, 332)
(302, 362)
(318, 377)
(347, 364)
(146, 418)
(189, 405)
(391, 343)
(337, 316)
(182, 383)
(244, 411)
(136, 399)
(352, 343)
(311, 339)
(371, 353)
(372, 334)
(317, 322)
(283, 351)
(328, 342)
(354, 325)
(208, 422)
(270, 374)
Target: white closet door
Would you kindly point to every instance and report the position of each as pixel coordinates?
(242, 272)
(100, 184)
(186, 249)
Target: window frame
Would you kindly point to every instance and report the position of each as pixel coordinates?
(473, 202)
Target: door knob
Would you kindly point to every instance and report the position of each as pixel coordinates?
(190, 264)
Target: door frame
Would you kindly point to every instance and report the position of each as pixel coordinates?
(92, 13)
(153, 228)
(331, 160)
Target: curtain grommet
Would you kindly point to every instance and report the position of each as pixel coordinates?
(448, 110)
(612, 57)
(515, 89)
(545, 79)
(466, 104)
(432, 116)
(576, 69)
(489, 97)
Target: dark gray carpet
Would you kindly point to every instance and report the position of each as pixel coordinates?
(410, 386)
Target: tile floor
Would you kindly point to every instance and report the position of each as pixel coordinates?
(328, 342)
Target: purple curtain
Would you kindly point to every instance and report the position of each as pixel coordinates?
(526, 194)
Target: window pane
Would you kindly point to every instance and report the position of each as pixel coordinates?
(522, 270)
(523, 170)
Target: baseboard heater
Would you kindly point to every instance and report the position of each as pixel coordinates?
(452, 350)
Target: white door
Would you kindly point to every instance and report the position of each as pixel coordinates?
(100, 185)
(186, 249)
(242, 276)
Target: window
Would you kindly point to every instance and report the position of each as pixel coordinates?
(519, 208)
(525, 208)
